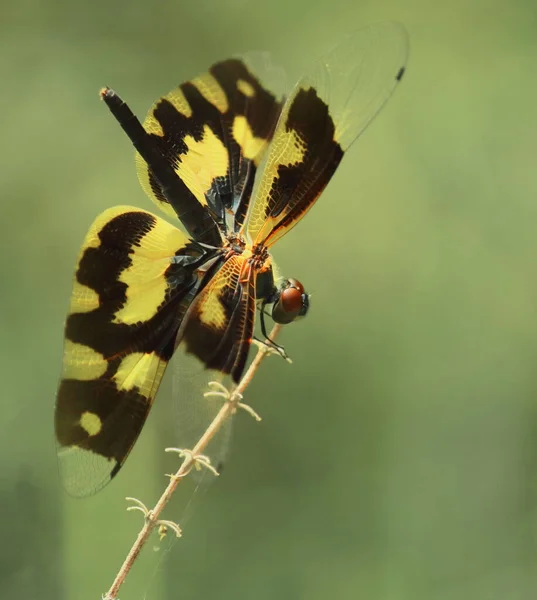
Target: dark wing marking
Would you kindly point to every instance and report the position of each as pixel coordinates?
(174, 194)
(135, 278)
(327, 110)
(218, 327)
(213, 131)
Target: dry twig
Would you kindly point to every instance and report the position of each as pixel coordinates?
(192, 458)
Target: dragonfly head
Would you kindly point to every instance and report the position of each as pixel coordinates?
(291, 302)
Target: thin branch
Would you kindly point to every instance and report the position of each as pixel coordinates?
(152, 516)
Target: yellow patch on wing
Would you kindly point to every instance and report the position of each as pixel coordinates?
(151, 124)
(162, 241)
(246, 88)
(219, 327)
(139, 370)
(326, 111)
(195, 127)
(114, 359)
(211, 310)
(92, 239)
(82, 362)
(144, 278)
(287, 149)
(212, 91)
(205, 160)
(144, 296)
(83, 298)
(251, 146)
(175, 98)
(91, 423)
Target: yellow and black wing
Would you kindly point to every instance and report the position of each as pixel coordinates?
(212, 131)
(219, 325)
(327, 110)
(135, 279)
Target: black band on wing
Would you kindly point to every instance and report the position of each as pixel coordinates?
(196, 219)
(218, 327)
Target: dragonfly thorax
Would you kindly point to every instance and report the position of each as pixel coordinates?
(235, 244)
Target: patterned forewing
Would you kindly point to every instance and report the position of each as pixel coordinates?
(219, 326)
(134, 280)
(213, 130)
(327, 110)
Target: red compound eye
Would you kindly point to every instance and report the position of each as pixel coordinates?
(291, 303)
(291, 300)
(294, 283)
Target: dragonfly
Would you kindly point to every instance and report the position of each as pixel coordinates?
(239, 165)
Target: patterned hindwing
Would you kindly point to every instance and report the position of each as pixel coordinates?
(218, 327)
(213, 131)
(136, 276)
(327, 110)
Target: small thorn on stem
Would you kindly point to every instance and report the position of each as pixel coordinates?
(249, 410)
(138, 505)
(234, 398)
(149, 518)
(198, 462)
(219, 391)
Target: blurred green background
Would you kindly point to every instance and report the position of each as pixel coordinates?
(397, 456)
